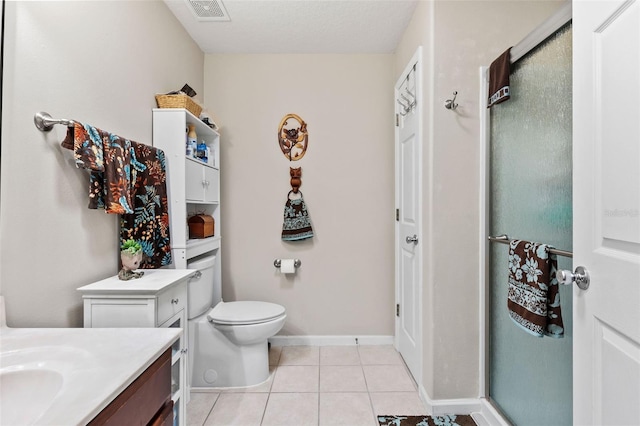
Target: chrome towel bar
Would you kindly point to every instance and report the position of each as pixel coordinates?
(45, 123)
(504, 239)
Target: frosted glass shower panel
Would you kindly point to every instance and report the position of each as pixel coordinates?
(530, 378)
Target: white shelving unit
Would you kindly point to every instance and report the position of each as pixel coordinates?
(193, 186)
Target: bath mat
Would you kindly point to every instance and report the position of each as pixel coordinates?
(445, 420)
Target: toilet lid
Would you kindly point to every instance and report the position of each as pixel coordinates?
(242, 313)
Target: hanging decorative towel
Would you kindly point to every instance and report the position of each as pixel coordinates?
(149, 223)
(533, 298)
(108, 159)
(126, 178)
(297, 223)
(499, 73)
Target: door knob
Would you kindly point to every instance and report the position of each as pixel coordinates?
(580, 277)
(413, 239)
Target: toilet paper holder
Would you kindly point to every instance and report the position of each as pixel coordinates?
(278, 262)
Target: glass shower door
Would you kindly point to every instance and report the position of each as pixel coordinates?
(530, 378)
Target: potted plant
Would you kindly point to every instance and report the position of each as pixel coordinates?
(131, 256)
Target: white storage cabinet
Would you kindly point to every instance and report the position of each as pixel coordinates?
(157, 299)
(193, 186)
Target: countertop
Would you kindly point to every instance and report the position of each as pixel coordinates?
(151, 282)
(96, 364)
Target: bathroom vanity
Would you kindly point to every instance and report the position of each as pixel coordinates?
(157, 299)
(80, 376)
(146, 401)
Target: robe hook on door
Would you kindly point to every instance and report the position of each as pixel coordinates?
(405, 108)
(410, 103)
(451, 103)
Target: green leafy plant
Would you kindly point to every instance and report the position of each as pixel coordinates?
(131, 246)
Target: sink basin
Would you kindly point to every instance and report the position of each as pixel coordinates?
(38, 386)
(30, 381)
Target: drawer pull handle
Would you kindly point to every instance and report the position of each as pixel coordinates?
(175, 301)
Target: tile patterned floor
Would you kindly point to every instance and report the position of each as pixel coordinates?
(319, 386)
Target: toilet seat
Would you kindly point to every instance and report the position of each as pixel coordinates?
(244, 313)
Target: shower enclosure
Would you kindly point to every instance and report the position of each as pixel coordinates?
(530, 378)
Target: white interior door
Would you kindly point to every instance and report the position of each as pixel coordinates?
(606, 209)
(408, 218)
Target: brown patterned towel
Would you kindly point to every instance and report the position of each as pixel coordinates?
(108, 159)
(499, 73)
(442, 420)
(149, 222)
(126, 178)
(533, 298)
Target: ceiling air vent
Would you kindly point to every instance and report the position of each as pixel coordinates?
(209, 10)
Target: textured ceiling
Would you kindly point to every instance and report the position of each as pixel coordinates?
(300, 26)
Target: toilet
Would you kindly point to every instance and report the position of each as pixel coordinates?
(227, 340)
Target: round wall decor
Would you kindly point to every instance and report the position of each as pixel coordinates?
(293, 137)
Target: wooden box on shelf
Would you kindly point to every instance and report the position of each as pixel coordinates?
(201, 226)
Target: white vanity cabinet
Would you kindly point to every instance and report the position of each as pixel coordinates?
(157, 299)
(192, 185)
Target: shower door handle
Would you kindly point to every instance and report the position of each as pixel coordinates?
(413, 239)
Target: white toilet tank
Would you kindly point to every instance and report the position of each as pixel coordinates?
(201, 290)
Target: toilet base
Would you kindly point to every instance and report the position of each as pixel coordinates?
(217, 362)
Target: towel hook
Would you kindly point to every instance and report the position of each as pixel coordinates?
(413, 100)
(451, 103)
(296, 178)
(411, 103)
(405, 107)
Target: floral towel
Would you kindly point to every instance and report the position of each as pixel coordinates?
(149, 222)
(108, 159)
(297, 223)
(533, 298)
(126, 178)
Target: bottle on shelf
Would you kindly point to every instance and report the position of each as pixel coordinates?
(192, 141)
(201, 152)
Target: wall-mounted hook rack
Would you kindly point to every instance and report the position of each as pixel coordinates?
(405, 108)
(451, 103)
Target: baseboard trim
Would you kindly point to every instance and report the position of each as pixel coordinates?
(490, 416)
(330, 340)
(449, 406)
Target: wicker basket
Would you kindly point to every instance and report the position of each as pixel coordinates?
(179, 101)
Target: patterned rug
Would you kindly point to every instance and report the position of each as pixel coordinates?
(445, 420)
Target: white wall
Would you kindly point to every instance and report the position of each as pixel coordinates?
(97, 62)
(346, 284)
(458, 37)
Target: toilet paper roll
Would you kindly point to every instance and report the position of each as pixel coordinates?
(287, 266)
